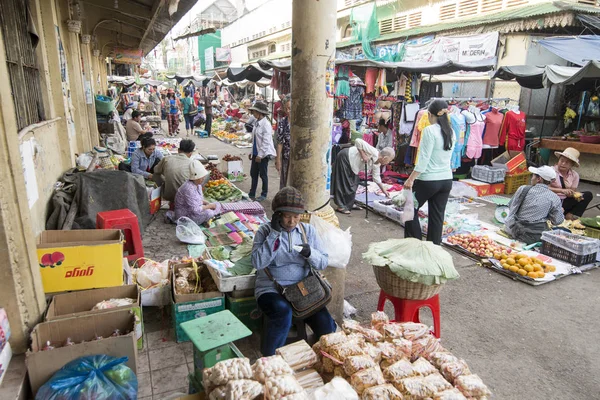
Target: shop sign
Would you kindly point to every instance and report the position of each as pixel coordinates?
(127, 56)
(223, 54)
(209, 59)
(458, 49)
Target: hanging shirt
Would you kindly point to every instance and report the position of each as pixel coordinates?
(433, 162)
(459, 126)
(493, 124)
(475, 142)
(512, 133)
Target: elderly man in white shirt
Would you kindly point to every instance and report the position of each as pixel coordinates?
(262, 150)
(348, 163)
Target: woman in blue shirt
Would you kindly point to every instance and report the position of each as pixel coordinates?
(173, 115)
(273, 249)
(432, 176)
(145, 159)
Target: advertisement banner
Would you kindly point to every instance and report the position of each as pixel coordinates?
(127, 56)
(209, 59)
(223, 54)
(458, 49)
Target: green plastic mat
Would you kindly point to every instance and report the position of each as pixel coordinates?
(496, 199)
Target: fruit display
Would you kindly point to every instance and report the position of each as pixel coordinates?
(225, 136)
(217, 182)
(215, 174)
(481, 246)
(524, 265)
(229, 157)
(220, 192)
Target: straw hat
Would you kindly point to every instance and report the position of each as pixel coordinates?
(261, 107)
(197, 170)
(570, 153)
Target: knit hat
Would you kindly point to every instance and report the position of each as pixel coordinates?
(197, 170)
(545, 172)
(288, 199)
(261, 107)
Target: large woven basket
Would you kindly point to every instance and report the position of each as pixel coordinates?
(391, 284)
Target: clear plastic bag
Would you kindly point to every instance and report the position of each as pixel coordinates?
(403, 346)
(277, 387)
(337, 242)
(460, 189)
(366, 378)
(151, 273)
(350, 326)
(381, 392)
(353, 364)
(425, 345)
(243, 389)
(378, 320)
(218, 393)
(225, 371)
(436, 379)
(392, 331)
(399, 370)
(415, 387)
(267, 367)
(298, 355)
(189, 232)
(332, 339)
(449, 394)
(472, 386)
(423, 367)
(100, 377)
(453, 370)
(113, 303)
(337, 389)
(341, 351)
(414, 330)
(372, 335)
(439, 358)
(409, 206)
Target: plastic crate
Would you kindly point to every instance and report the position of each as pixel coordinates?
(580, 245)
(592, 232)
(514, 182)
(558, 252)
(487, 174)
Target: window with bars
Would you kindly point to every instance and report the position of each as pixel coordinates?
(23, 71)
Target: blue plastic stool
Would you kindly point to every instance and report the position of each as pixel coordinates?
(202, 134)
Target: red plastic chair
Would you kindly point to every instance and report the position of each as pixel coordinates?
(408, 310)
(126, 221)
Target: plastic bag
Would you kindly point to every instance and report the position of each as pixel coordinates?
(225, 371)
(188, 231)
(409, 206)
(113, 303)
(332, 339)
(151, 273)
(453, 370)
(353, 364)
(366, 378)
(436, 379)
(460, 189)
(415, 387)
(399, 370)
(426, 345)
(439, 358)
(267, 367)
(337, 389)
(472, 386)
(378, 320)
(349, 310)
(243, 389)
(382, 392)
(277, 387)
(337, 242)
(423, 367)
(449, 394)
(98, 377)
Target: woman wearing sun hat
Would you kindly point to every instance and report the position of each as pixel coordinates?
(565, 185)
(189, 200)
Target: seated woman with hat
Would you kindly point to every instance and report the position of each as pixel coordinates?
(189, 200)
(274, 251)
(574, 203)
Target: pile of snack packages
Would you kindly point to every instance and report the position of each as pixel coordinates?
(194, 279)
(386, 361)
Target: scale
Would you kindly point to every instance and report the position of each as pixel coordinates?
(501, 214)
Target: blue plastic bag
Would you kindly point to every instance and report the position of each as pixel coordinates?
(99, 377)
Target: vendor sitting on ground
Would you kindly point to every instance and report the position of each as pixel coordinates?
(574, 203)
(134, 130)
(189, 200)
(532, 206)
(348, 163)
(175, 170)
(273, 251)
(144, 160)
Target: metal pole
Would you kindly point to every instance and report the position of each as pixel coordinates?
(311, 117)
(545, 111)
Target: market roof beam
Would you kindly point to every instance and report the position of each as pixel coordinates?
(137, 11)
(120, 26)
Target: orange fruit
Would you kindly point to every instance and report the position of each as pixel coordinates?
(541, 274)
(532, 274)
(551, 268)
(522, 272)
(510, 261)
(523, 262)
(505, 266)
(537, 268)
(513, 268)
(538, 261)
(497, 255)
(528, 268)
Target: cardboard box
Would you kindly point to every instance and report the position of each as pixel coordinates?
(482, 188)
(154, 196)
(233, 170)
(5, 357)
(187, 307)
(77, 304)
(246, 310)
(514, 162)
(41, 365)
(497, 188)
(80, 259)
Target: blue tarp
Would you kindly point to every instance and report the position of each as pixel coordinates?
(576, 49)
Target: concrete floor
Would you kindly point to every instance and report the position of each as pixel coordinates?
(525, 342)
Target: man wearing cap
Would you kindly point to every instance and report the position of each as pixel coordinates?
(565, 185)
(532, 206)
(262, 149)
(174, 171)
(285, 248)
(189, 200)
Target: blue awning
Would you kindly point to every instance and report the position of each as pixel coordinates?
(576, 49)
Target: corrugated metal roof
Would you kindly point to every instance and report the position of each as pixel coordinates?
(519, 13)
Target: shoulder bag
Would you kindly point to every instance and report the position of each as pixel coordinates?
(309, 295)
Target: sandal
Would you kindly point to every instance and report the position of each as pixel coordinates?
(342, 211)
(356, 207)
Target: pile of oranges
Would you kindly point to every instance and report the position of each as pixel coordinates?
(524, 265)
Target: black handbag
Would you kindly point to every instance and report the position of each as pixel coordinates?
(309, 295)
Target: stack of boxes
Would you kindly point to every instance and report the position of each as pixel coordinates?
(506, 170)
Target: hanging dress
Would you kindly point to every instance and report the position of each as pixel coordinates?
(459, 126)
(475, 142)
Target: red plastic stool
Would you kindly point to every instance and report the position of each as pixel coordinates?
(408, 310)
(126, 221)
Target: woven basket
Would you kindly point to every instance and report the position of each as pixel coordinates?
(391, 284)
(326, 213)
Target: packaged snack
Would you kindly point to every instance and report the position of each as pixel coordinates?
(217, 393)
(415, 388)
(266, 367)
(423, 367)
(372, 351)
(392, 330)
(366, 378)
(450, 394)
(353, 364)
(378, 319)
(390, 353)
(328, 365)
(243, 389)
(309, 379)
(372, 335)
(437, 380)
(225, 371)
(342, 351)
(299, 355)
(357, 338)
(398, 370)
(338, 389)
(414, 330)
(332, 339)
(404, 346)
(381, 392)
(472, 386)
(441, 357)
(317, 349)
(425, 345)
(279, 386)
(339, 371)
(296, 396)
(350, 326)
(452, 370)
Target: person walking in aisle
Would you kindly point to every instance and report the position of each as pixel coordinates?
(186, 103)
(173, 114)
(208, 111)
(431, 180)
(262, 150)
(283, 142)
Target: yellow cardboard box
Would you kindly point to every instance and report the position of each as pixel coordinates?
(80, 259)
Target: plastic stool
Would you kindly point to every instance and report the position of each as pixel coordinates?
(201, 134)
(299, 324)
(126, 221)
(408, 310)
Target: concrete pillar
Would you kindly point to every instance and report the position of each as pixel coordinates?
(88, 79)
(313, 48)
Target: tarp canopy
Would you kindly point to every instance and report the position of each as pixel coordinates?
(576, 49)
(285, 65)
(264, 82)
(540, 77)
(252, 73)
(129, 80)
(180, 78)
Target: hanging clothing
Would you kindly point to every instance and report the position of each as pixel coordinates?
(370, 79)
(512, 134)
(353, 105)
(381, 85)
(369, 104)
(400, 85)
(493, 124)
(459, 126)
(342, 84)
(475, 142)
